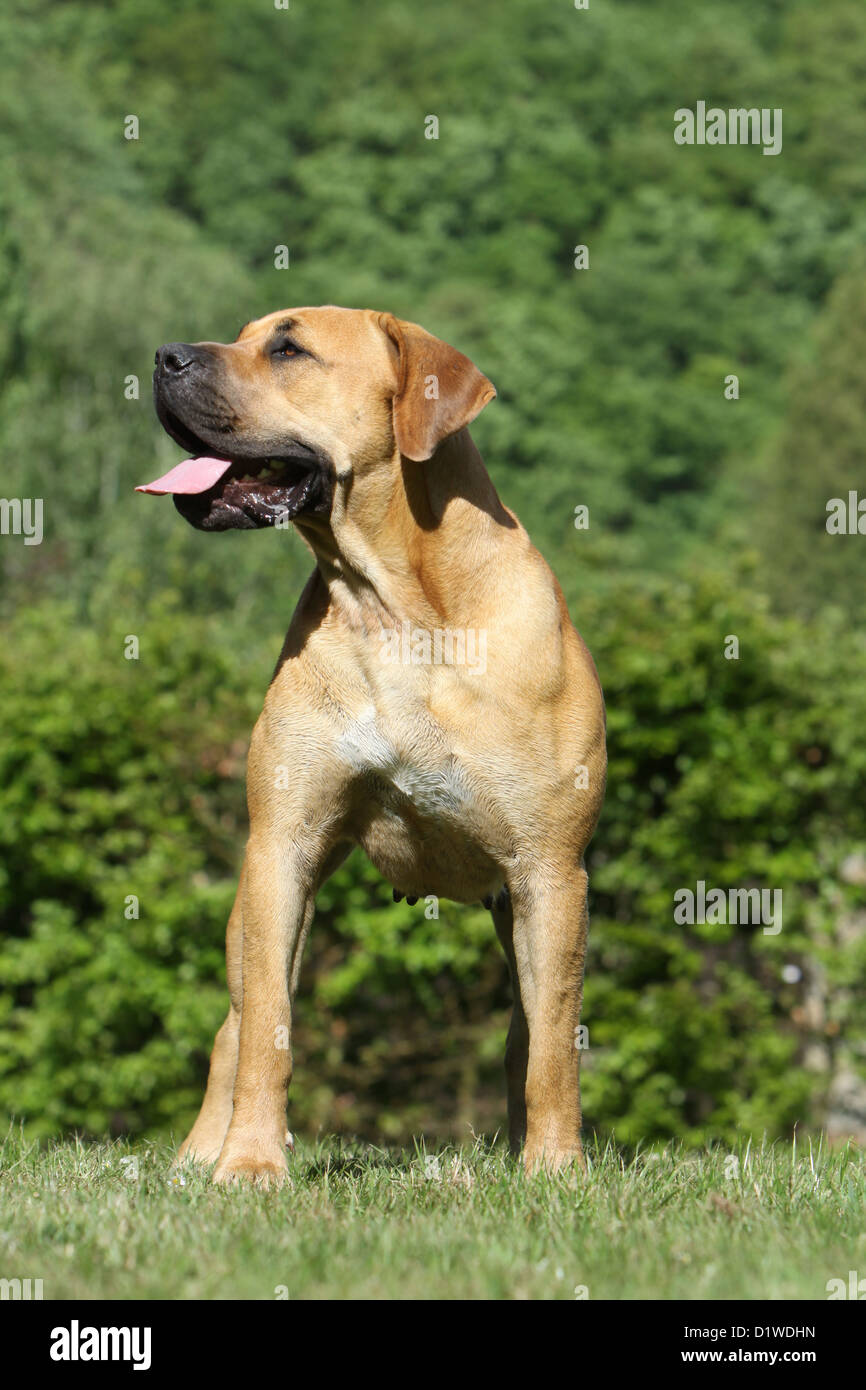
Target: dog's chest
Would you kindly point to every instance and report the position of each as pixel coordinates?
(407, 762)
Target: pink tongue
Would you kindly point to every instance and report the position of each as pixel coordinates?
(193, 475)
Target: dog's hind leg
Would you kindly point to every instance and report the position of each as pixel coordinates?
(517, 1043)
(205, 1139)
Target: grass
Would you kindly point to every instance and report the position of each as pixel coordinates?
(112, 1221)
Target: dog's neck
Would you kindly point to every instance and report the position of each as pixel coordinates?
(407, 541)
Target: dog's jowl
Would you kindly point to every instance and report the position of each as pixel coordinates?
(457, 775)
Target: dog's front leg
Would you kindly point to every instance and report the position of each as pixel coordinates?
(517, 1043)
(205, 1140)
(277, 911)
(549, 944)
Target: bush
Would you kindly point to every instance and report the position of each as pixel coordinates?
(124, 777)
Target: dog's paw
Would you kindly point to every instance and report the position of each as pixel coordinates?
(553, 1160)
(262, 1170)
(204, 1153)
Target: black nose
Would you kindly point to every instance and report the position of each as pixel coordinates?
(175, 358)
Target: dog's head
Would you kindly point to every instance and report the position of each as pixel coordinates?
(302, 402)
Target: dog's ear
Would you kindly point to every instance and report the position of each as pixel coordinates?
(438, 392)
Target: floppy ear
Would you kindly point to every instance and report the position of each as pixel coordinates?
(439, 389)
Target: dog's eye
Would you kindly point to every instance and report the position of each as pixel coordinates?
(286, 349)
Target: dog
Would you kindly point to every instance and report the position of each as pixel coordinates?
(464, 779)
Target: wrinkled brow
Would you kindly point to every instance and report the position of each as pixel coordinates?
(285, 326)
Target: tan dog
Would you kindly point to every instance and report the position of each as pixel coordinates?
(432, 702)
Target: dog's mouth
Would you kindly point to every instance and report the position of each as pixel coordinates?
(240, 491)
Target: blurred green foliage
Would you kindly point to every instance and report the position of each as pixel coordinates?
(125, 777)
(306, 127)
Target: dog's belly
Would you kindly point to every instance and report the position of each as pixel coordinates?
(420, 819)
(420, 854)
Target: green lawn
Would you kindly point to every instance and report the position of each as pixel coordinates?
(113, 1221)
